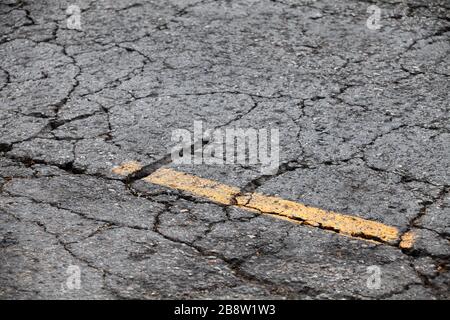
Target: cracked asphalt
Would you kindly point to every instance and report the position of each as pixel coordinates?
(364, 120)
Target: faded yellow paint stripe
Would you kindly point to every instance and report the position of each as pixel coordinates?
(284, 209)
(407, 240)
(345, 224)
(209, 189)
(127, 168)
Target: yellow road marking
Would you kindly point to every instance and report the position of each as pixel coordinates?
(127, 168)
(209, 189)
(345, 224)
(407, 240)
(284, 209)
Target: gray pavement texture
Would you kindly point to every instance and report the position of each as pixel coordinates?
(364, 119)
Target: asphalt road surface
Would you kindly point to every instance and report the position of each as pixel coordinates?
(92, 91)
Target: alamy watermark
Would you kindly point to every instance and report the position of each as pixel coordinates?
(245, 146)
(74, 19)
(73, 280)
(373, 21)
(374, 280)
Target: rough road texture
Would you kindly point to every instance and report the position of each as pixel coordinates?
(364, 130)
